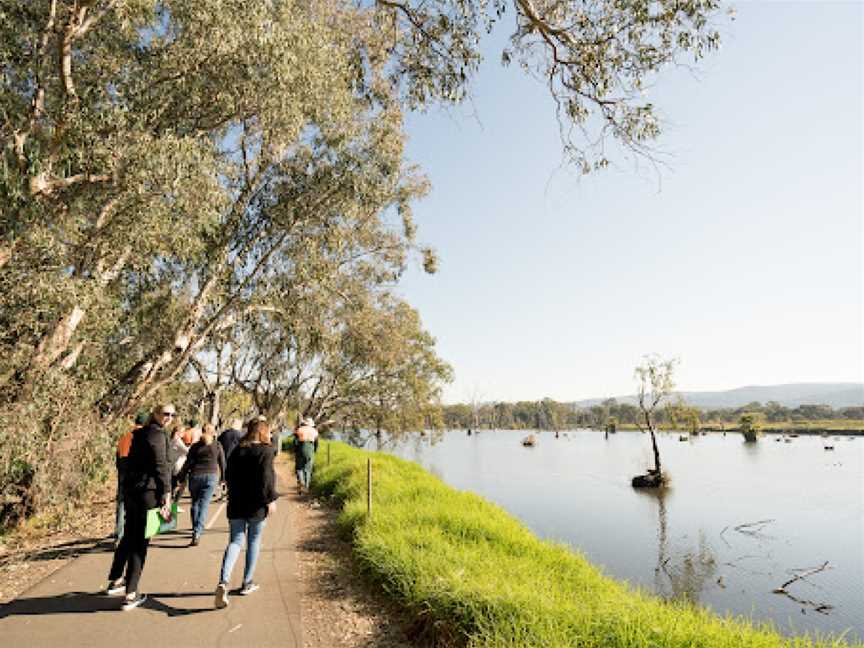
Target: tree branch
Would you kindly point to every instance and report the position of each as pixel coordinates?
(38, 104)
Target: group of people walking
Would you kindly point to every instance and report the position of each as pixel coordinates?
(154, 466)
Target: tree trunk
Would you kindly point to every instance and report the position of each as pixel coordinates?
(53, 344)
(214, 406)
(143, 384)
(650, 424)
(656, 453)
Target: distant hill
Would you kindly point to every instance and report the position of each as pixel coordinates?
(834, 394)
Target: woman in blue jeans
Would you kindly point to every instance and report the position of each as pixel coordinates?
(205, 466)
(251, 497)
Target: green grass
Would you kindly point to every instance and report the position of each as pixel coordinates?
(476, 576)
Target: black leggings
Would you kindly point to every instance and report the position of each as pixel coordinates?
(132, 550)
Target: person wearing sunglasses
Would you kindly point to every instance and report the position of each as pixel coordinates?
(147, 485)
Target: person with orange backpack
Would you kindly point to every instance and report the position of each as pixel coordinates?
(146, 486)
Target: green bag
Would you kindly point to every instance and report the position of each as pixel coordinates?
(156, 524)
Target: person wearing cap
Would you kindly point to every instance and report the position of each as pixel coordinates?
(305, 447)
(146, 485)
(121, 459)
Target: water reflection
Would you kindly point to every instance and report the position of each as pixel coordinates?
(750, 451)
(680, 574)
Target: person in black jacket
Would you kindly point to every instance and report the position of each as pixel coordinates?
(251, 497)
(146, 485)
(205, 466)
(121, 458)
(231, 437)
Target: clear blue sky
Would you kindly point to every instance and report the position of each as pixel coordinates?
(744, 260)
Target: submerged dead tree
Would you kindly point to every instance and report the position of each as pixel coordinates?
(655, 378)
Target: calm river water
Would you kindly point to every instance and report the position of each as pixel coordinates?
(690, 541)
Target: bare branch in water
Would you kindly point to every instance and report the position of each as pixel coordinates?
(821, 608)
(753, 529)
(804, 573)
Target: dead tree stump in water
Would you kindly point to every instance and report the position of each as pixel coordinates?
(651, 479)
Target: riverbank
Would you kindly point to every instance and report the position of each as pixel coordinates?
(475, 576)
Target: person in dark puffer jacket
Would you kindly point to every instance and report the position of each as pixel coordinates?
(121, 458)
(146, 485)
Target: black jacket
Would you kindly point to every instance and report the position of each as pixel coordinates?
(229, 440)
(204, 459)
(148, 474)
(251, 482)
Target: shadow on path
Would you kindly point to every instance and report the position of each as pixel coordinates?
(157, 602)
(89, 602)
(68, 603)
(63, 551)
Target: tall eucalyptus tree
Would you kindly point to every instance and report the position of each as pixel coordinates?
(168, 166)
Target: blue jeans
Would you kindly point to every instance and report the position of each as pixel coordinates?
(239, 528)
(201, 489)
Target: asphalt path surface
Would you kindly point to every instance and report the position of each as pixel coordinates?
(66, 609)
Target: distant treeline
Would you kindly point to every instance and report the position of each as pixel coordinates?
(547, 414)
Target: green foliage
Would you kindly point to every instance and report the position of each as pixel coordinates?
(52, 452)
(544, 414)
(525, 415)
(597, 59)
(751, 425)
(682, 416)
(180, 180)
(774, 412)
(475, 576)
(750, 421)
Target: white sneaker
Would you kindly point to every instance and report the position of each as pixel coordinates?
(115, 587)
(248, 588)
(132, 601)
(221, 598)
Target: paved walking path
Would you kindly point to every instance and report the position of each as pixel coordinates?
(65, 610)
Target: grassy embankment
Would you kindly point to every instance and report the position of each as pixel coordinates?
(476, 576)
